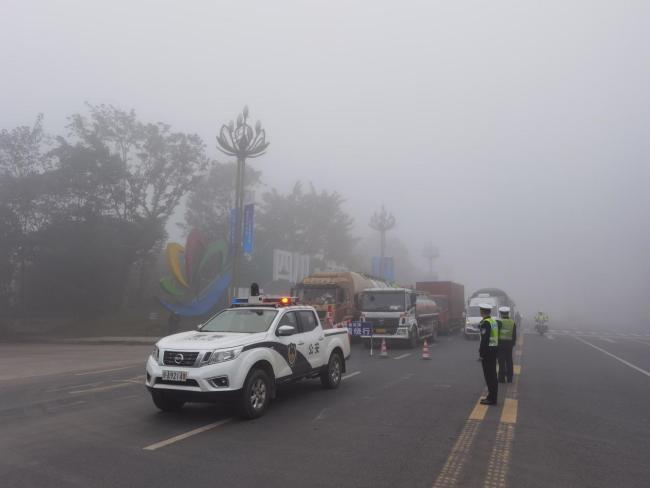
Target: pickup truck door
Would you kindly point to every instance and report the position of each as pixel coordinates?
(294, 362)
(314, 339)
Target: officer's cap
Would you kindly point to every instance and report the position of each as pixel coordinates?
(504, 309)
(485, 306)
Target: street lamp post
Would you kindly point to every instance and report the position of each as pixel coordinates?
(430, 252)
(383, 222)
(241, 141)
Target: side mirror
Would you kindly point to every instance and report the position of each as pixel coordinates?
(356, 301)
(414, 300)
(286, 330)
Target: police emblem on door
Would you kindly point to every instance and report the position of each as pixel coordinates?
(292, 354)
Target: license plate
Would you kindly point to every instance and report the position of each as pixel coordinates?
(174, 375)
(380, 331)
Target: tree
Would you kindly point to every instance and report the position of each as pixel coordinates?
(210, 203)
(311, 222)
(23, 161)
(159, 168)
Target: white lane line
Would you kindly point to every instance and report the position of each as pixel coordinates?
(101, 388)
(350, 375)
(549, 336)
(403, 356)
(181, 437)
(606, 339)
(647, 373)
(321, 415)
(70, 387)
(105, 370)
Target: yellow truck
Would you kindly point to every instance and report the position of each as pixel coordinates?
(334, 295)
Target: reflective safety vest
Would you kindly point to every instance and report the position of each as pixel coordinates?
(494, 332)
(507, 328)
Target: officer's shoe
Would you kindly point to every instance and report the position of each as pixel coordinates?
(487, 401)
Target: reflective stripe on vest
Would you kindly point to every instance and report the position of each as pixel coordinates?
(507, 328)
(494, 332)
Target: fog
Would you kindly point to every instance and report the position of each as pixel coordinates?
(513, 135)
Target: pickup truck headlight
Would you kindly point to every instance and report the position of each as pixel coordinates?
(221, 355)
(155, 353)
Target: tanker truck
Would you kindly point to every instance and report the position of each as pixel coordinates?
(334, 295)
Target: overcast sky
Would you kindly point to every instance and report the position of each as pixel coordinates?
(514, 134)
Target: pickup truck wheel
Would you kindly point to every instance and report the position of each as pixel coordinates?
(165, 402)
(330, 377)
(255, 394)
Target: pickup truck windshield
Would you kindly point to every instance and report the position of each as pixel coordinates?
(318, 295)
(241, 320)
(383, 302)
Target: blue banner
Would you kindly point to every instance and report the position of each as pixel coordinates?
(233, 231)
(249, 228)
(385, 271)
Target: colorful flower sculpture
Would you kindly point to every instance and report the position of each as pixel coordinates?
(200, 275)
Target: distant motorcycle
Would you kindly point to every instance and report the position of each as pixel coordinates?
(541, 327)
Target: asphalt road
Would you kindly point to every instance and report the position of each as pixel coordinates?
(577, 415)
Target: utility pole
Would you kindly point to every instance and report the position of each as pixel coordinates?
(242, 142)
(382, 222)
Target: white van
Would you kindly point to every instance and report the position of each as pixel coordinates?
(473, 314)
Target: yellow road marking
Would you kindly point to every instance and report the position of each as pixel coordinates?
(509, 412)
(451, 471)
(479, 412)
(516, 368)
(497, 472)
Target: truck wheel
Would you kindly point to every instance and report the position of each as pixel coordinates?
(434, 332)
(413, 338)
(166, 403)
(256, 394)
(330, 377)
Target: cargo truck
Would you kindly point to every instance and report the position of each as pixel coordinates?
(450, 298)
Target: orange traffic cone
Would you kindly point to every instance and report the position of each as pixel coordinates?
(425, 350)
(384, 350)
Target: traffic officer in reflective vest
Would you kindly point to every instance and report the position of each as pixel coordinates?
(488, 352)
(507, 340)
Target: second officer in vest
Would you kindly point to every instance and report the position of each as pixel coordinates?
(507, 340)
(488, 353)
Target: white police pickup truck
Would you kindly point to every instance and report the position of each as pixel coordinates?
(243, 353)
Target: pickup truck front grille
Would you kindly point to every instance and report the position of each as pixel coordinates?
(389, 325)
(160, 381)
(179, 358)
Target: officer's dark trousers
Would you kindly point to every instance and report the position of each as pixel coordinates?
(490, 372)
(505, 360)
